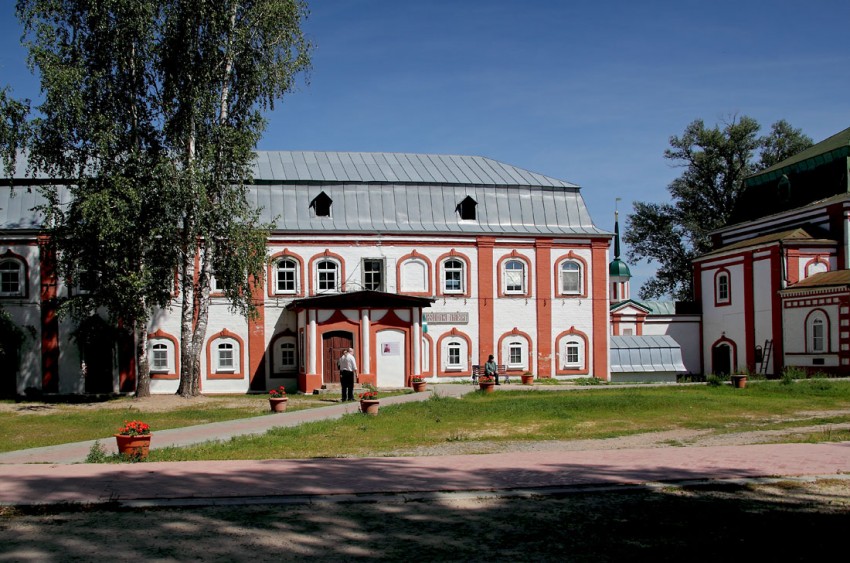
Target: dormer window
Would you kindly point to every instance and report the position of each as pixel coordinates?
(466, 209)
(321, 205)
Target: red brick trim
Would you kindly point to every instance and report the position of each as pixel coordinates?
(453, 254)
(429, 274)
(327, 254)
(272, 274)
(161, 335)
(454, 332)
(527, 278)
(570, 257)
(572, 332)
(516, 333)
(239, 372)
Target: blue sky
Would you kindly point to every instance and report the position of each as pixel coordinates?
(588, 92)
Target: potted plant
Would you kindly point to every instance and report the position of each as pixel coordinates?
(419, 383)
(739, 380)
(278, 399)
(487, 383)
(528, 378)
(134, 439)
(369, 402)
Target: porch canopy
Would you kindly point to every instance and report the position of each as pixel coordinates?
(359, 300)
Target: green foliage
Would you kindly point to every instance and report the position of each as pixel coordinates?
(97, 453)
(715, 161)
(791, 373)
(716, 380)
(588, 381)
(151, 112)
(13, 129)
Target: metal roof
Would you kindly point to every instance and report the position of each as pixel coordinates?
(822, 279)
(388, 193)
(836, 146)
(393, 168)
(641, 354)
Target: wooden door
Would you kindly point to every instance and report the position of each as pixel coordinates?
(334, 344)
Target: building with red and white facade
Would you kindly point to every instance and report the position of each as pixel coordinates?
(774, 292)
(424, 264)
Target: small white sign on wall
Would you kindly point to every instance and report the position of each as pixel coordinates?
(390, 349)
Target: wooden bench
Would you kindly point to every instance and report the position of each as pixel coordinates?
(478, 371)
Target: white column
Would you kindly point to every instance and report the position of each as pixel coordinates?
(365, 342)
(417, 340)
(311, 341)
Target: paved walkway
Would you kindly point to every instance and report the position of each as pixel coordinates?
(54, 480)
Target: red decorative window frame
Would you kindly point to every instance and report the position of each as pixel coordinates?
(529, 347)
(453, 255)
(428, 274)
(527, 281)
(572, 332)
(718, 302)
(559, 289)
(175, 350)
(314, 274)
(272, 274)
(454, 333)
(239, 368)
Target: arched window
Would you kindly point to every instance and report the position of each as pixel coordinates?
(11, 278)
(571, 278)
(722, 290)
(513, 276)
(327, 276)
(817, 332)
(815, 268)
(453, 276)
(286, 276)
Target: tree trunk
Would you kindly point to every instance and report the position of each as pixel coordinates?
(143, 383)
(189, 371)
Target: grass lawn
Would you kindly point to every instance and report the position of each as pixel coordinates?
(45, 424)
(523, 415)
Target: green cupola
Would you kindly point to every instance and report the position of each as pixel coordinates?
(617, 268)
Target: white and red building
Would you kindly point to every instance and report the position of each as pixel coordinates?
(424, 264)
(774, 292)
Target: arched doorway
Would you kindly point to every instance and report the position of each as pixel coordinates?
(721, 359)
(334, 343)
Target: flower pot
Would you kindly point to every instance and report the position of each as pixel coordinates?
(739, 381)
(487, 387)
(369, 406)
(278, 404)
(528, 380)
(134, 446)
(419, 386)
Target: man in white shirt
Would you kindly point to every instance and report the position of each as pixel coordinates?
(347, 374)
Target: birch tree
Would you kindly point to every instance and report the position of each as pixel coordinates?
(224, 63)
(151, 113)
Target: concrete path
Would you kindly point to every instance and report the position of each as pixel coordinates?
(308, 480)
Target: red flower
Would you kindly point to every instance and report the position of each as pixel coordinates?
(134, 428)
(278, 393)
(368, 396)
